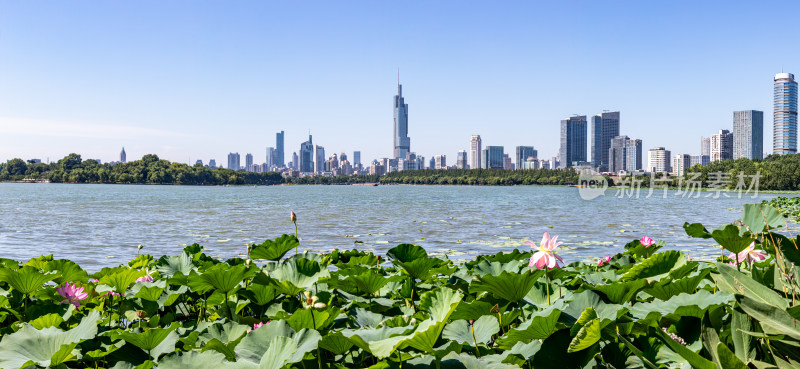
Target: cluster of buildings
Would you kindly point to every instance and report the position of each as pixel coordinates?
(611, 152)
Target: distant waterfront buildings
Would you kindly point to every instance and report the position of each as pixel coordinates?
(658, 160)
(248, 162)
(680, 163)
(278, 157)
(123, 158)
(617, 154)
(319, 159)
(784, 118)
(306, 156)
(705, 146)
(633, 156)
(523, 153)
(493, 157)
(722, 145)
(475, 152)
(507, 163)
(440, 161)
(357, 159)
(295, 161)
(402, 143)
(212, 163)
(199, 162)
(748, 134)
(271, 157)
(233, 161)
(699, 159)
(573, 141)
(461, 159)
(605, 127)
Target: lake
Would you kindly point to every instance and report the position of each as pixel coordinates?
(101, 225)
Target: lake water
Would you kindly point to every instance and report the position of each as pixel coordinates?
(101, 225)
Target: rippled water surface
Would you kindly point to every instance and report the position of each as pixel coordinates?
(101, 225)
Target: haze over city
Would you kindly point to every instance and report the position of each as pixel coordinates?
(192, 81)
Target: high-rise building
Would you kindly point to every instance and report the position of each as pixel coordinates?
(123, 158)
(248, 162)
(658, 160)
(199, 162)
(440, 161)
(573, 141)
(705, 146)
(295, 161)
(523, 153)
(402, 143)
(633, 155)
(475, 152)
(212, 163)
(507, 162)
(493, 157)
(233, 161)
(699, 159)
(617, 154)
(272, 156)
(306, 156)
(319, 159)
(721, 145)
(784, 118)
(461, 159)
(278, 158)
(605, 127)
(357, 159)
(680, 163)
(748, 134)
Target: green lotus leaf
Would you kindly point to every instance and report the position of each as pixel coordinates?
(511, 287)
(380, 342)
(406, 253)
(366, 318)
(371, 282)
(495, 268)
(621, 292)
(224, 332)
(39, 262)
(141, 261)
(586, 316)
(483, 329)
(772, 319)
(733, 281)
(676, 285)
(696, 230)
(120, 280)
(731, 238)
(553, 353)
(260, 294)
(336, 343)
(727, 359)
(154, 341)
(540, 325)
(303, 319)
(588, 335)
(150, 291)
(274, 249)
(221, 278)
(694, 359)
(302, 273)
(761, 217)
(168, 266)
(440, 302)
(422, 268)
(465, 361)
(29, 346)
(279, 353)
(197, 360)
(682, 305)
(47, 321)
(472, 310)
(67, 271)
(27, 279)
(255, 344)
(425, 336)
(656, 266)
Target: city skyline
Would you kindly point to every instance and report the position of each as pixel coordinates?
(93, 81)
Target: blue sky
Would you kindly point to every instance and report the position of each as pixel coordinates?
(194, 80)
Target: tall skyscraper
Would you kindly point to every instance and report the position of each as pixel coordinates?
(523, 153)
(461, 159)
(402, 143)
(605, 127)
(658, 160)
(272, 157)
(278, 159)
(705, 146)
(357, 159)
(475, 152)
(573, 141)
(306, 157)
(319, 159)
(295, 161)
(748, 134)
(440, 161)
(721, 145)
(784, 118)
(123, 158)
(233, 161)
(617, 154)
(493, 157)
(633, 155)
(248, 162)
(680, 163)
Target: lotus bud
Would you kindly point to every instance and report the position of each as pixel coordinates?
(495, 309)
(600, 262)
(139, 248)
(293, 217)
(471, 322)
(413, 321)
(307, 294)
(320, 305)
(141, 314)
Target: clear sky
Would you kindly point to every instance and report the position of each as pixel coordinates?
(191, 80)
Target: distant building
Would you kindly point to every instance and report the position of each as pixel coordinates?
(248, 162)
(722, 145)
(199, 162)
(617, 154)
(545, 164)
(633, 156)
(319, 159)
(493, 157)
(784, 116)
(277, 157)
(295, 161)
(507, 162)
(432, 163)
(523, 153)
(357, 159)
(573, 141)
(272, 157)
(748, 134)
(212, 163)
(306, 157)
(123, 158)
(461, 159)
(605, 127)
(402, 143)
(699, 159)
(233, 161)
(475, 152)
(680, 163)
(377, 168)
(440, 161)
(658, 160)
(705, 146)
(531, 163)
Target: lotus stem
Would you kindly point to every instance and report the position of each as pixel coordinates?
(477, 350)
(547, 285)
(297, 237)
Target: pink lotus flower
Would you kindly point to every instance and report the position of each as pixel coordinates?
(109, 293)
(646, 241)
(94, 280)
(257, 326)
(600, 262)
(545, 257)
(145, 278)
(72, 294)
(750, 254)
